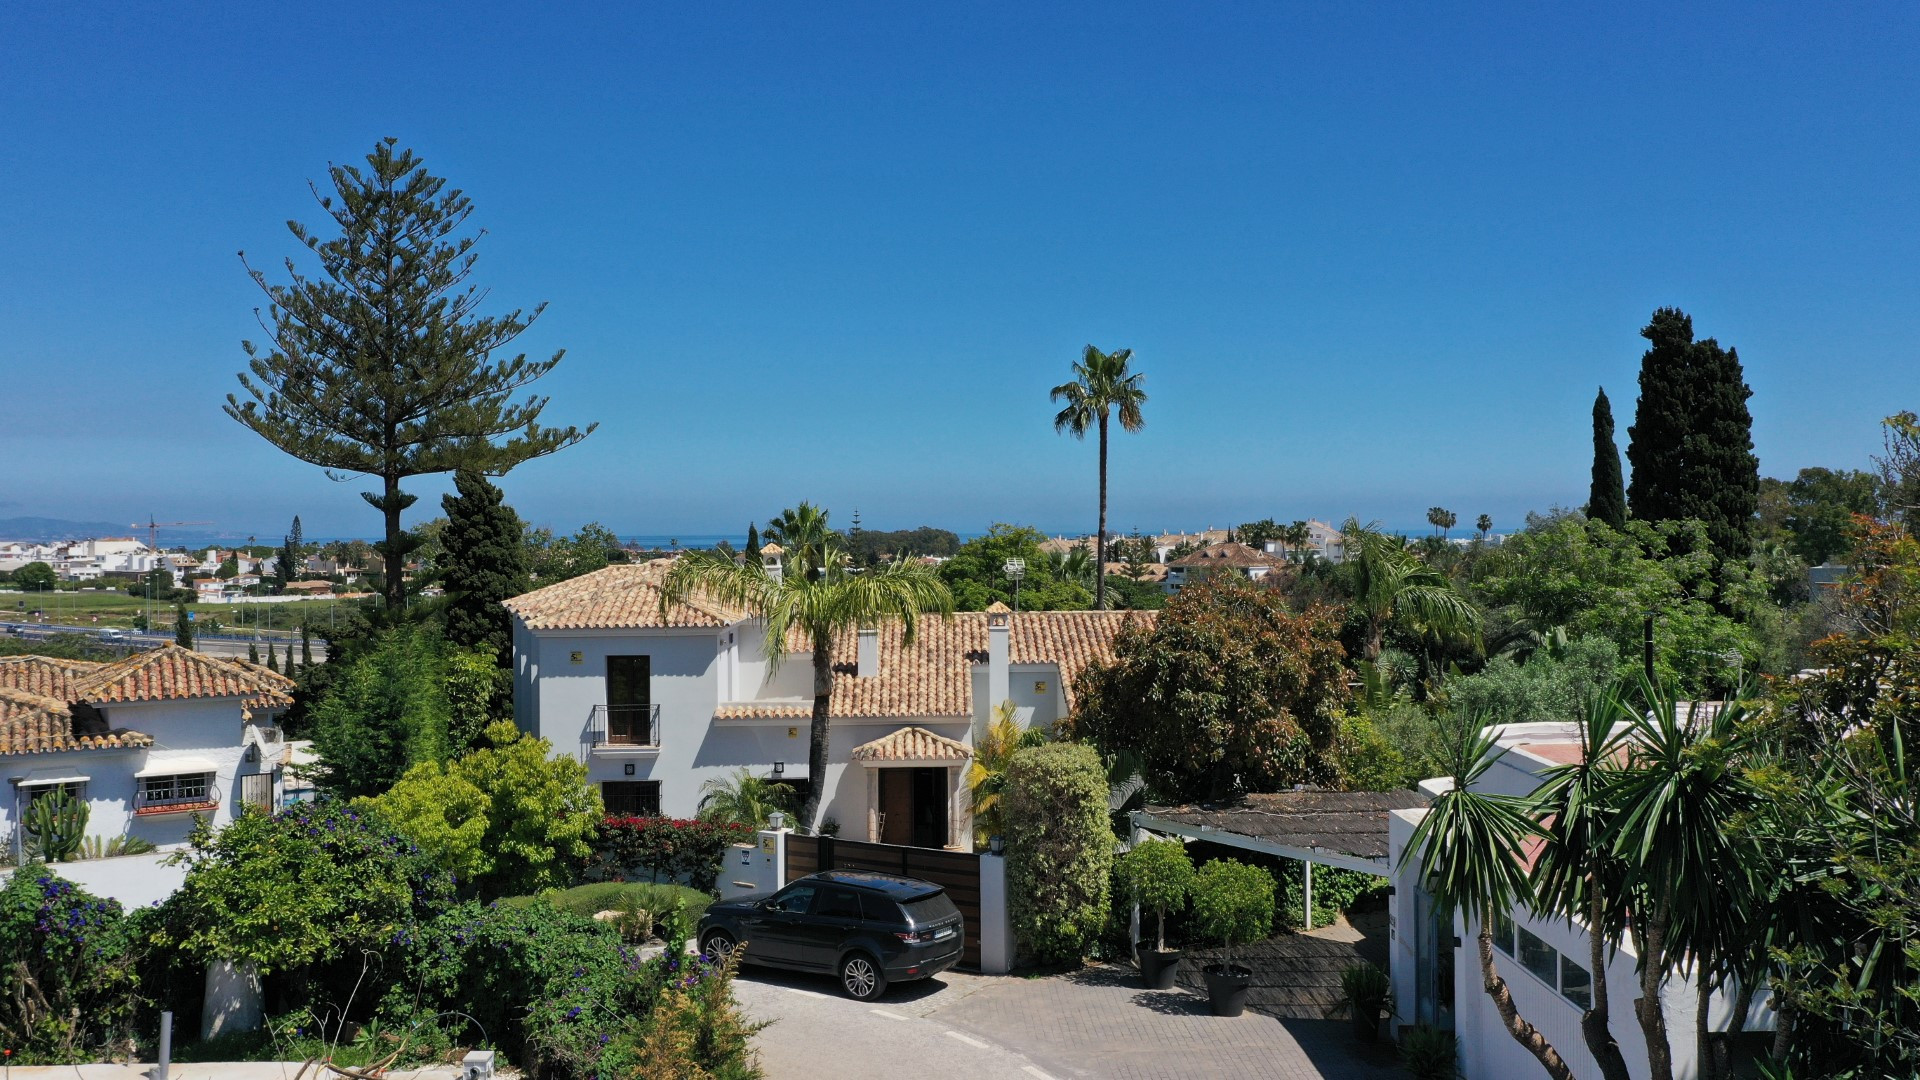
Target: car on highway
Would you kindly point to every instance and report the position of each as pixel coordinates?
(868, 930)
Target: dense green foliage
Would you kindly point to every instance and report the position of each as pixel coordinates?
(977, 574)
(552, 558)
(1552, 684)
(1059, 850)
(1334, 891)
(383, 366)
(311, 885)
(67, 978)
(745, 799)
(870, 547)
(1233, 902)
(504, 819)
(384, 712)
(56, 825)
(1157, 875)
(484, 562)
(1227, 691)
(657, 898)
(35, 577)
(1607, 493)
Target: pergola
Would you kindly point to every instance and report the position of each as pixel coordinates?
(1346, 829)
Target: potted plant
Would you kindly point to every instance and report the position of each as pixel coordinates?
(1232, 903)
(1158, 875)
(1365, 993)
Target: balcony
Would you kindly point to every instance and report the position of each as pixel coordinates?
(615, 730)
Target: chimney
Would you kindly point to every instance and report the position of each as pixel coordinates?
(869, 654)
(773, 558)
(999, 637)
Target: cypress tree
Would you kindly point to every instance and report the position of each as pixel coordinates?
(253, 652)
(486, 564)
(1607, 500)
(182, 627)
(1661, 420)
(273, 661)
(753, 540)
(1691, 443)
(306, 646)
(383, 366)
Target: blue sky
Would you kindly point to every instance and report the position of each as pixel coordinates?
(1371, 260)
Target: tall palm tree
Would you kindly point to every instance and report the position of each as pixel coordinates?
(1468, 849)
(1391, 583)
(803, 531)
(1577, 872)
(1299, 536)
(1101, 386)
(817, 596)
(744, 799)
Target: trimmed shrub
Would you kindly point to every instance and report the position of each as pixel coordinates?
(1233, 902)
(589, 900)
(67, 980)
(1059, 850)
(1158, 876)
(663, 849)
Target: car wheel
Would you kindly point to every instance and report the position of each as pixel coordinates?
(718, 945)
(861, 977)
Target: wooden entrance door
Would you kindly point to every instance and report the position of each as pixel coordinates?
(913, 807)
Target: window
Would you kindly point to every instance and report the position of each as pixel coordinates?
(839, 904)
(74, 789)
(1576, 985)
(1540, 958)
(879, 909)
(1503, 934)
(641, 798)
(182, 788)
(794, 901)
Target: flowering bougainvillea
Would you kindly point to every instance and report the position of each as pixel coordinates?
(67, 987)
(663, 849)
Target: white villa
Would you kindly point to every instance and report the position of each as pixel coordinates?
(658, 704)
(1229, 557)
(149, 742)
(1545, 960)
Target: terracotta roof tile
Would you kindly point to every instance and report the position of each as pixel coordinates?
(171, 673)
(748, 710)
(1230, 554)
(34, 724)
(912, 744)
(934, 675)
(46, 676)
(622, 596)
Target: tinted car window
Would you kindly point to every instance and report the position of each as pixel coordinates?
(880, 909)
(930, 909)
(794, 901)
(838, 904)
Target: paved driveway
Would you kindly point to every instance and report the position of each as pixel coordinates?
(1094, 1023)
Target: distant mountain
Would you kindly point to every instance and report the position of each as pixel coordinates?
(48, 529)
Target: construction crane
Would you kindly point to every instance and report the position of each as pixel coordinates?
(153, 546)
(153, 529)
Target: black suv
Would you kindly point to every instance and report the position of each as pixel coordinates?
(870, 929)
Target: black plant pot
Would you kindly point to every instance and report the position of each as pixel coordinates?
(1158, 968)
(1366, 1025)
(1227, 988)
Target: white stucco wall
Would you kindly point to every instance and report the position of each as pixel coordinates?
(134, 880)
(210, 730)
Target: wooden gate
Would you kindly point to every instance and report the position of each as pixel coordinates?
(958, 872)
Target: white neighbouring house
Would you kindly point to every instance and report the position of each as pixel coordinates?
(149, 742)
(1545, 960)
(656, 704)
(1224, 558)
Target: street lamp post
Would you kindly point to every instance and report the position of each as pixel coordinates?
(1016, 569)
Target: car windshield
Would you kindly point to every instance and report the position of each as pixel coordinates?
(932, 908)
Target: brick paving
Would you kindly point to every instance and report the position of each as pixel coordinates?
(1100, 1022)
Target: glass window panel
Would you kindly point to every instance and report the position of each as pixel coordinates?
(794, 901)
(1576, 984)
(1540, 958)
(1503, 934)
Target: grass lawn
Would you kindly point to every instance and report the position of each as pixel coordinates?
(114, 608)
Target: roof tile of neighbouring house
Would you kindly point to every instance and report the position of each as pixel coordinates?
(755, 710)
(35, 724)
(912, 744)
(1230, 554)
(46, 676)
(171, 673)
(622, 596)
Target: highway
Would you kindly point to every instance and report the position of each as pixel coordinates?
(211, 644)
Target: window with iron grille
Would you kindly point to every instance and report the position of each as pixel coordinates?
(186, 787)
(640, 798)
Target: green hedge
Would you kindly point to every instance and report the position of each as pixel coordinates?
(589, 900)
(1059, 850)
